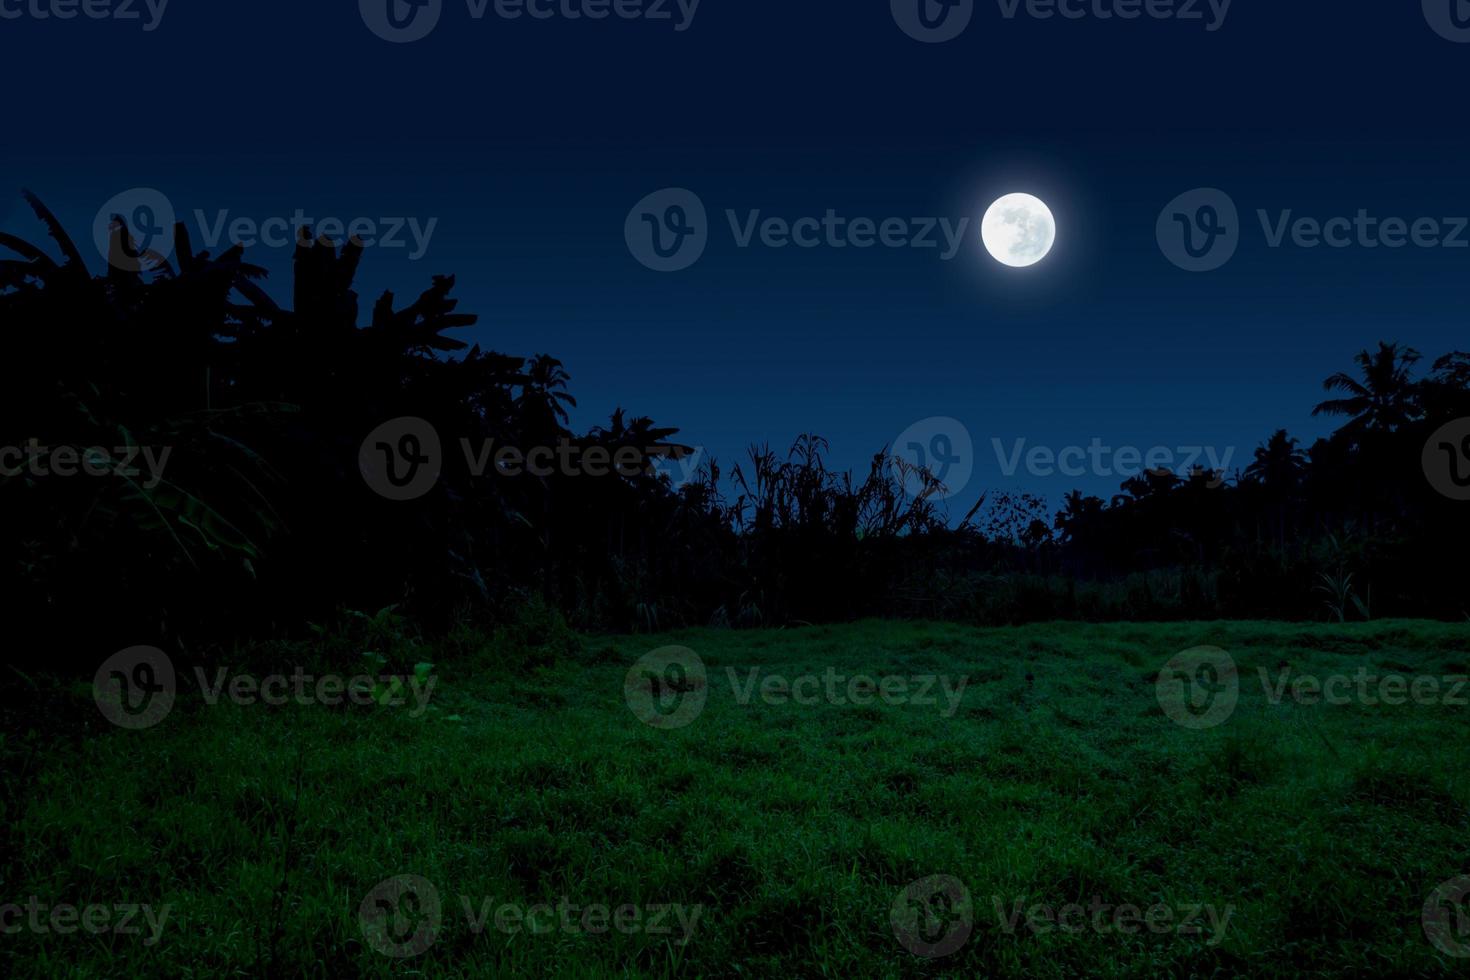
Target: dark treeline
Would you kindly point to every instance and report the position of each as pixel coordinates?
(260, 521)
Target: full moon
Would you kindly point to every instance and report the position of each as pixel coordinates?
(1018, 230)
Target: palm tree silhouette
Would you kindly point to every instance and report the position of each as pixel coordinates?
(544, 398)
(1278, 468)
(1386, 398)
(1278, 463)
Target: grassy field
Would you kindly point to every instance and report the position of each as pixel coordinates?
(559, 834)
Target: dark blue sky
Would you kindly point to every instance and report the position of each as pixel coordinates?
(529, 141)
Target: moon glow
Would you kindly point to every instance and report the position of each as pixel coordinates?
(1018, 230)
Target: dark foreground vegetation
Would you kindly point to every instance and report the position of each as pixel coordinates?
(262, 521)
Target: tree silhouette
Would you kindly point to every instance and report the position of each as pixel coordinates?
(1384, 400)
(544, 398)
(1278, 468)
(262, 520)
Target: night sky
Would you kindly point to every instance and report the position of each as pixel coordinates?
(529, 142)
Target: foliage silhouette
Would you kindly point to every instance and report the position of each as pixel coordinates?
(260, 521)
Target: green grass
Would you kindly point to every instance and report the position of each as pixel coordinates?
(794, 827)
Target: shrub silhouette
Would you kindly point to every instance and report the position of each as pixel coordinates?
(260, 520)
